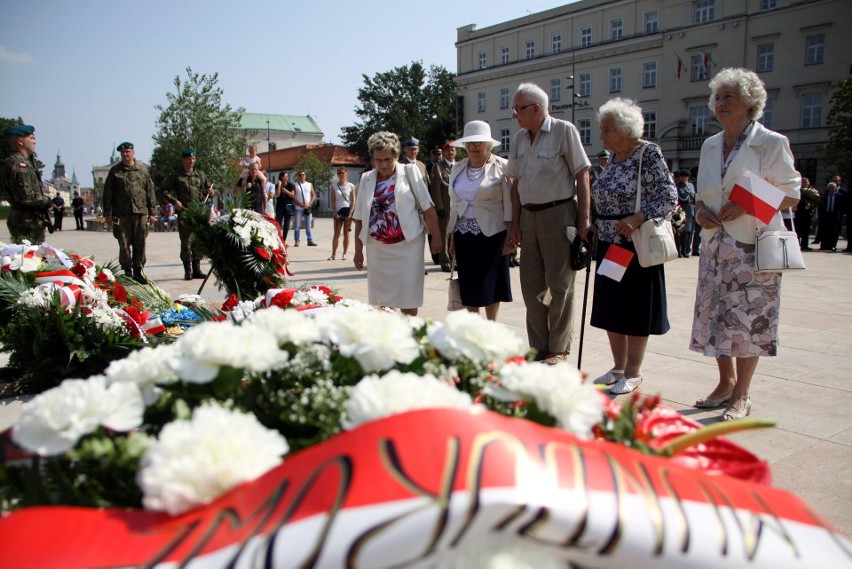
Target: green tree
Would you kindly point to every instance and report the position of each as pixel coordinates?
(195, 117)
(317, 171)
(840, 120)
(408, 101)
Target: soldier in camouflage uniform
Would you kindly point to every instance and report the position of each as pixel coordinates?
(130, 200)
(20, 184)
(185, 186)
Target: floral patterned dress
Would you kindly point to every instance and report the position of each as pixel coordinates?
(736, 308)
(384, 223)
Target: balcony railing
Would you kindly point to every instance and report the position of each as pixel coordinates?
(691, 143)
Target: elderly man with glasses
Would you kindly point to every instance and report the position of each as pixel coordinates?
(550, 203)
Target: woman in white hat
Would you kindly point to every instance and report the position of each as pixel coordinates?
(480, 212)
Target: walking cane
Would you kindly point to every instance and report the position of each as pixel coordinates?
(588, 264)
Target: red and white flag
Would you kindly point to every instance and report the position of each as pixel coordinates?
(615, 262)
(757, 196)
(678, 65)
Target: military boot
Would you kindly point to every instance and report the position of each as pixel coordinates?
(138, 276)
(197, 273)
(187, 272)
(127, 270)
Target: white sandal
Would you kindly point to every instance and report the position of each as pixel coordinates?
(608, 378)
(625, 385)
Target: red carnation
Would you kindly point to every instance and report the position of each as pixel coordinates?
(119, 293)
(283, 298)
(261, 252)
(230, 303)
(79, 270)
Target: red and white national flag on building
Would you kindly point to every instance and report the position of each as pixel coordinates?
(615, 262)
(757, 196)
(678, 65)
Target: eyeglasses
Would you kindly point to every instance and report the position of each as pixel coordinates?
(516, 110)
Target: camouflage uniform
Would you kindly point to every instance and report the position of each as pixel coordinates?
(186, 187)
(129, 196)
(20, 182)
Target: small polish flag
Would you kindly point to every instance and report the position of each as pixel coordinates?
(615, 262)
(756, 196)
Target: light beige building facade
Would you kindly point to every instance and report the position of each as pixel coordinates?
(661, 53)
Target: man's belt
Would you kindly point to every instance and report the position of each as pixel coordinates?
(544, 206)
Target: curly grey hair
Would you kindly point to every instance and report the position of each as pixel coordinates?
(626, 114)
(535, 95)
(383, 140)
(750, 87)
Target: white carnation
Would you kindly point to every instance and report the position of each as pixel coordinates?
(242, 309)
(310, 295)
(108, 320)
(193, 462)
(287, 326)
(375, 397)
(146, 368)
(203, 349)
(54, 421)
(467, 334)
(39, 297)
(557, 390)
(377, 340)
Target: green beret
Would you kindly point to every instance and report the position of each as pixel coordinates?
(187, 152)
(125, 146)
(20, 130)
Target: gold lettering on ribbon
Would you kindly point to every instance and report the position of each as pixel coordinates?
(264, 512)
(480, 444)
(393, 465)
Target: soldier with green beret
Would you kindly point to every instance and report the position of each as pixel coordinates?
(130, 200)
(20, 184)
(182, 187)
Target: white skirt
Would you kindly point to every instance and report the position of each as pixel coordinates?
(395, 272)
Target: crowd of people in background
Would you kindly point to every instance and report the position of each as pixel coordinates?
(545, 199)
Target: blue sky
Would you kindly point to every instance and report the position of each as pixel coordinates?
(87, 74)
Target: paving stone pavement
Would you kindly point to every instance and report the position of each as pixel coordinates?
(807, 389)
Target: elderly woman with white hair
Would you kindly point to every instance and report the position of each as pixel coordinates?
(736, 309)
(634, 307)
(480, 212)
(387, 223)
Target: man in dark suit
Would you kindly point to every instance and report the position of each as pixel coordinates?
(830, 213)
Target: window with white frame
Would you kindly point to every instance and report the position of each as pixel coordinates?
(529, 47)
(698, 120)
(586, 36)
(616, 29)
(504, 97)
(766, 118)
(649, 74)
(700, 67)
(815, 49)
(812, 110)
(615, 80)
(585, 128)
(482, 60)
(768, 4)
(480, 102)
(504, 55)
(585, 84)
(649, 131)
(652, 22)
(705, 10)
(556, 43)
(556, 89)
(505, 140)
(765, 57)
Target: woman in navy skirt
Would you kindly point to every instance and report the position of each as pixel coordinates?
(480, 212)
(634, 307)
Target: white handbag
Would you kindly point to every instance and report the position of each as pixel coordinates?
(653, 240)
(776, 251)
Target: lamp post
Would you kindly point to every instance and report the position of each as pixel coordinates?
(268, 149)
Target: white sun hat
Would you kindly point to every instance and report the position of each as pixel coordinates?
(475, 131)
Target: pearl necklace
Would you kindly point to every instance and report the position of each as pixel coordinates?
(474, 174)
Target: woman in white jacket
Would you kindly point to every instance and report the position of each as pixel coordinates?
(736, 309)
(480, 212)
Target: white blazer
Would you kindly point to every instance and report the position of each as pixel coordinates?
(404, 193)
(492, 204)
(765, 153)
